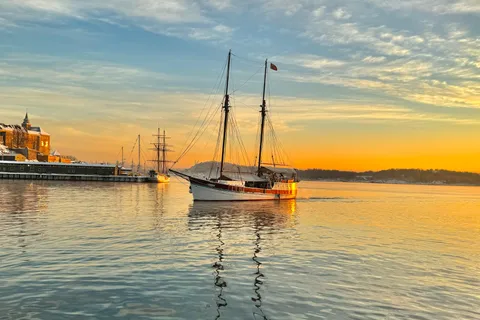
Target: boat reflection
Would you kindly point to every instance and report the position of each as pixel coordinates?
(261, 218)
(158, 191)
(21, 205)
(21, 196)
(271, 214)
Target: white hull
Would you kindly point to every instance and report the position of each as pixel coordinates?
(204, 193)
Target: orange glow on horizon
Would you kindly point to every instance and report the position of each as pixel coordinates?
(362, 148)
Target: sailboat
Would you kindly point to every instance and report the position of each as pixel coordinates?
(160, 147)
(267, 182)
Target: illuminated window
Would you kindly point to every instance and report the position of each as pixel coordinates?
(46, 143)
(42, 143)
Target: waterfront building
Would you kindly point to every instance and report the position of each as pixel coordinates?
(31, 142)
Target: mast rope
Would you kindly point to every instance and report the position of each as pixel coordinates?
(217, 147)
(243, 150)
(194, 139)
(256, 72)
(251, 61)
(133, 148)
(197, 137)
(143, 153)
(257, 139)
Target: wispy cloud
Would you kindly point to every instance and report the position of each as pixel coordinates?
(6, 24)
(48, 71)
(179, 18)
(310, 61)
(371, 59)
(169, 11)
(220, 4)
(434, 6)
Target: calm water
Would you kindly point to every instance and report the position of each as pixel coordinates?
(144, 251)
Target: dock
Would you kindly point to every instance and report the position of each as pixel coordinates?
(72, 177)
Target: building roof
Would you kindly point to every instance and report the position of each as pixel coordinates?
(33, 130)
(9, 127)
(40, 130)
(286, 171)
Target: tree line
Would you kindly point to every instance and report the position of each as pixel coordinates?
(403, 175)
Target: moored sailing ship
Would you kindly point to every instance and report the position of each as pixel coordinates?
(160, 147)
(265, 182)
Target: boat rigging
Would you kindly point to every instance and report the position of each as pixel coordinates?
(263, 182)
(161, 148)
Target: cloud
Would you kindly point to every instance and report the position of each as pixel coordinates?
(341, 14)
(6, 24)
(178, 18)
(288, 8)
(370, 59)
(344, 44)
(318, 12)
(219, 32)
(433, 6)
(220, 4)
(49, 71)
(420, 79)
(309, 61)
(324, 31)
(167, 11)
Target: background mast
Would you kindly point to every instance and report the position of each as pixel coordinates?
(139, 161)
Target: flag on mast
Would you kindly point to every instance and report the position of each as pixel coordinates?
(273, 67)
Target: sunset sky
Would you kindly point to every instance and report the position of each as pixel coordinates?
(361, 85)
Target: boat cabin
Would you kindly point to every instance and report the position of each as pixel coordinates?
(279, 173)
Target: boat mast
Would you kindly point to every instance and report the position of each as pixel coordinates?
(157, 147)
(164, 152)
(123, 160)
(263, 112)
(160, 149)
(226, 107)
(139, 163)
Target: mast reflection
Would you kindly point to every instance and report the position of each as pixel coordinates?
(258, 277)
(218, 266)
(158, 190)
(261, 218)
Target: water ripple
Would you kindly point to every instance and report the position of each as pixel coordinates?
(341, 251)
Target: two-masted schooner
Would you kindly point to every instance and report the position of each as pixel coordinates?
(267, 182)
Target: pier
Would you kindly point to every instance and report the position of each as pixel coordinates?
(72, 177)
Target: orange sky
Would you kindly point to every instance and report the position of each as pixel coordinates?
(362, 147)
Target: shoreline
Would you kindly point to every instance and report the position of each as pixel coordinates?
(395, 182)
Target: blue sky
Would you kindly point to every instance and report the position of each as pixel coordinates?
(397, 76)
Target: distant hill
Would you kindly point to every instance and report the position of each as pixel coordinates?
(415, 176)
(205, 167)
